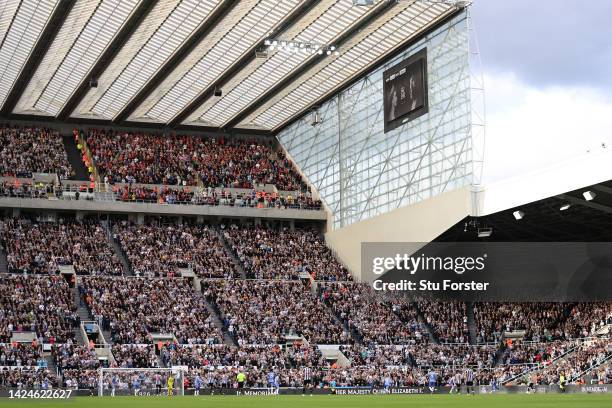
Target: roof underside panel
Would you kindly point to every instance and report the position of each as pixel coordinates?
(320, 26)
(381, 37)
(233, 39)
(22, 29)
(165, 29)
(87, 31)
(157, 62)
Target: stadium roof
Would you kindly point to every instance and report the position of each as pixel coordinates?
(552, 204)
(158, 63)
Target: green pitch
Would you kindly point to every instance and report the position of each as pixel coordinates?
(331, 401)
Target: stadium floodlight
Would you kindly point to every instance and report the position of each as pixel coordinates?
(518, 215)
(565, 207)
(589, 195)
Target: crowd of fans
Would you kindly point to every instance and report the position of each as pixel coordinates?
(266, 312)
(41, 247)
(28, 150)
(534, 352)
(27, 189)
(190, 160)
(39, 304)
(585, 355)
(212, 197)
(134, 356)
(361, 309)
(73, 356)
(27, 377)
(20, 354)
(135, 308)
(447, 319)
(585, 319)
(268, 253)
(536, 319)
(161, 251)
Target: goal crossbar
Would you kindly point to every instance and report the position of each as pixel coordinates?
(146, 379)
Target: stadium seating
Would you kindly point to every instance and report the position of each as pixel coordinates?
(272, 254)
(135, 308)
(41, 247)
(27, 150)
(161, 251)
(39, 304)
(264, 312)
(190, 160)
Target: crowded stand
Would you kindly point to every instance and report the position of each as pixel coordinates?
(41, 247)
(212, 197)
(359, 308)
(135, 308)
(161, 251)
(584, 356)
(27, 377)
(534, 352)
(585, 319)
(268, 253)
(190, 160)
(26, 189)
(73, 356)
(265, 312)
(448, 320)
(28, 150)
(536, 319)
(378, 356)
(134, 356)
(456, 355)
(40, 304)
(20, 354)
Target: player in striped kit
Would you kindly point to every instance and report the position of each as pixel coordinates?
(307, 379)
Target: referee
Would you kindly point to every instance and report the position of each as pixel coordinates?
(307, 375)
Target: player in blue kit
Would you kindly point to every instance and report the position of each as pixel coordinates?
(433, 380)
(114, 382)
(271, 380)
(197, 383)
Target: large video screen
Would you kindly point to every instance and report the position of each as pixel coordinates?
(405, 90)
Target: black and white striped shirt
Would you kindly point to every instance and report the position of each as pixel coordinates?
(307, 374)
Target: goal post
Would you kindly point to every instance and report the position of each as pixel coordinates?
(140, 381)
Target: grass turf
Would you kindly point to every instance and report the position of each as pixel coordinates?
(331, 401)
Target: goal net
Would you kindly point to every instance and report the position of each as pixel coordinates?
(141, 381)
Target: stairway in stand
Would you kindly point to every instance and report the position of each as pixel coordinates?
(127, 270)
(75, 158)
(230, 251)
(214, 312)
(471, 320)
(3, 261)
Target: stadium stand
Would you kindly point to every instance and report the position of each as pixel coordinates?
(39, 304)
(27, 150)
(42, 247)
(162, 251)
(187, 160)
(135, 308)
(266, 312)
(284, 254)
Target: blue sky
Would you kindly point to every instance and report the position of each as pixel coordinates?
(547, 66)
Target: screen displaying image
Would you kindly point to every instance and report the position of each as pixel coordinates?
(405, 91)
